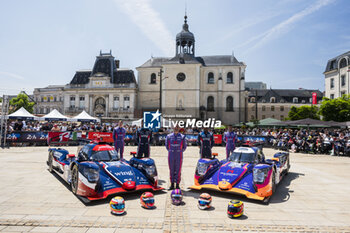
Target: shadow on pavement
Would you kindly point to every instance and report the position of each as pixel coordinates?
(282, 193)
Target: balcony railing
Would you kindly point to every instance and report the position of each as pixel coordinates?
(74, 109)
(121, 110)
(82, 86)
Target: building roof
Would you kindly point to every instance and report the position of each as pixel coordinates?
(216, 60)
(283, 95)
(332, 64)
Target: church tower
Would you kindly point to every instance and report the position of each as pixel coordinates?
(185, 41)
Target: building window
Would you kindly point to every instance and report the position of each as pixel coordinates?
(343, 63)
(210, 77)
(263, 117)
(251, 117)
(272, 108)
(210, 104)
(332, 96)
(281, 117)
(281, 108)
(295, 100)
(229, 78)
(332, 83)
(263, 101)
(342, 93)
(252, 100)
(116, 102)
(272, 100)
(282, 101)
(303, 101)
(72, 102)
(55, 99)
(273, 116)
(229, 104)
(263, 108)
(81, 101)
(343, 80)
(153, 78)
(126, 102)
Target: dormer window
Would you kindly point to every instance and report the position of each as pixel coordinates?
(272, 100)
(295, 100)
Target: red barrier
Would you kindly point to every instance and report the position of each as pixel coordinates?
(58, 137)
(105, 137)
(218, 139)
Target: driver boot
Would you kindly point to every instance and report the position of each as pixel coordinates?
(171, 186)
(177, 186)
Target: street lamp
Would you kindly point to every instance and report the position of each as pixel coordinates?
(160, 89)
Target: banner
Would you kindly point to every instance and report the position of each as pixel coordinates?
(314, 98)
(27, 137)
(217, 139)
(105, 137)
(58, 137)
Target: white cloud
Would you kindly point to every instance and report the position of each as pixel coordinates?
(7, 75)
(284, 26)
(148, 20)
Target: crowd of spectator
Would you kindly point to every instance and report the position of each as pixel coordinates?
(323, 141)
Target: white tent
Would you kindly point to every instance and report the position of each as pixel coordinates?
(22, 114)
(84, 117)
(54, 115)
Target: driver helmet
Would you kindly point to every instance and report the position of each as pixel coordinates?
(235, 209)
(117, 205)
(204, 201)
(147, 200)
(176, 196)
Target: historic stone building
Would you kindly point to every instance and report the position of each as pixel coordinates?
(106, 91)
(198, 86)
(276, 103)
(337, 76)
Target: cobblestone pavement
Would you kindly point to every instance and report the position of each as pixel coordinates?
(314, 197)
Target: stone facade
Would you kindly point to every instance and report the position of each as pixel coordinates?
(337, 76)
(106, 91)
(276, 103)
(200, 87)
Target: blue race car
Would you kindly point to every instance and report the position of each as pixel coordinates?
(98, 172)
(246, 172)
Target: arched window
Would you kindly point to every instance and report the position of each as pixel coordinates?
(229, 78)
(229, 104)
(272, 108)
(153, 78)
(210, 77)
(210, 103)
(252, 100)
(272, 100)
(295, 100)
(100, 102)
(343, 63)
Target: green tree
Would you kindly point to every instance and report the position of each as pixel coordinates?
(302, 112)
(21, 100)
(337, 109)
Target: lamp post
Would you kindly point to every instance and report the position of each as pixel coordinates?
(160, 89)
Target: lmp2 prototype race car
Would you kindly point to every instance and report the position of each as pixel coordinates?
(246, 172)
(98, 171)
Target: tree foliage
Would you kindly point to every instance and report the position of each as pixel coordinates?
(21, 100)
(302, 112)
(336, 109)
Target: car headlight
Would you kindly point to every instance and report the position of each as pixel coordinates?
(91, 174)
(201, 168)
(259, 175)
(150, 170)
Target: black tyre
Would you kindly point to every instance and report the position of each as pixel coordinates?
(273, 181)
(75, 179)
(49, 162)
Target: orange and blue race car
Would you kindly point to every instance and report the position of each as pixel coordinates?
(245, 172)
(97, 171)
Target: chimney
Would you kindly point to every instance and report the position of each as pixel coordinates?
(117, 63)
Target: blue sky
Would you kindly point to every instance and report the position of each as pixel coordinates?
(285, 43)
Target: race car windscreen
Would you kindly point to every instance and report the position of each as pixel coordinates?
(240, 157)
(105, 155)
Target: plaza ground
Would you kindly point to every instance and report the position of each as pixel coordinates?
(313, 197)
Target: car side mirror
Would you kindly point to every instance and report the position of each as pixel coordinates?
(214, 154)
(70, 156)
(133, 153)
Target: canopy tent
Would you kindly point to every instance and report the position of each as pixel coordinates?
(54, 115)
(265, 122)
(22, 114)
(308, 122)
(84, 117)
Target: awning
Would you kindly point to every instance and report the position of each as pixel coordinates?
(22, 114)
(54, 115)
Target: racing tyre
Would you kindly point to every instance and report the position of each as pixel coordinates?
(49, 162)
(273, 182)
(75, 179)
